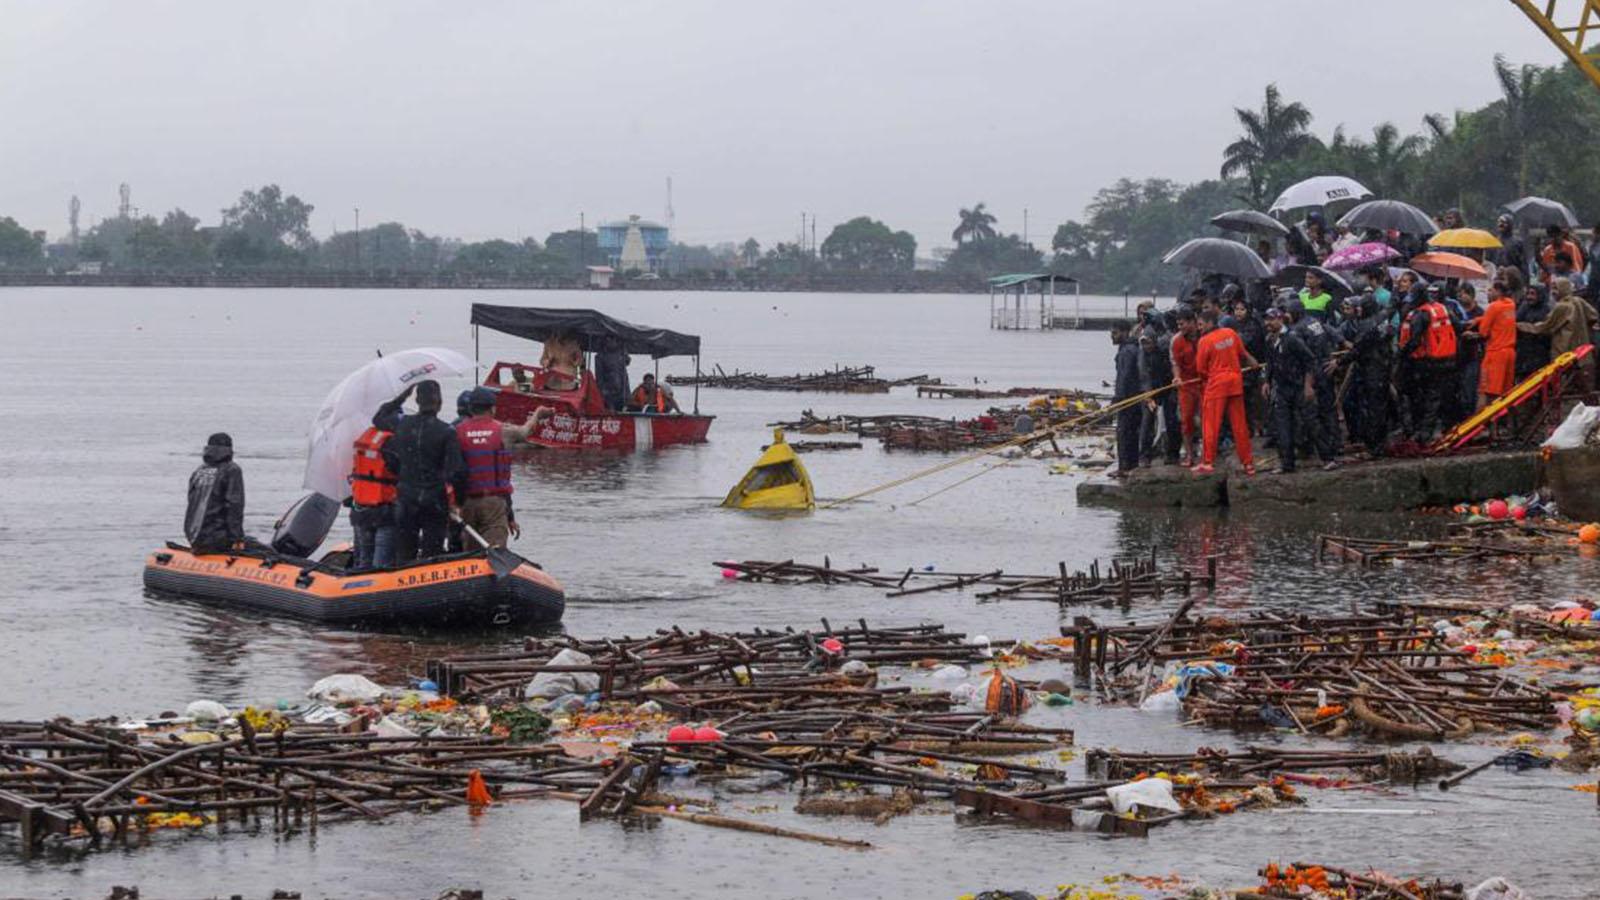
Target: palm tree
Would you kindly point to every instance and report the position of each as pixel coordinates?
(976, 223)
(1273, 134)
(1516, 88)
(1391, 156)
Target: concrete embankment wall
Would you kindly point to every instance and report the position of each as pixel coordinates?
(1388, 485)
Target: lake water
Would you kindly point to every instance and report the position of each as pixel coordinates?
(111, 393)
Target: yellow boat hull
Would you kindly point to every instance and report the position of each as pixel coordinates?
(778, 481)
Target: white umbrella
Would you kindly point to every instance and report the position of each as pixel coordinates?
(348, 409)
(1319, 191)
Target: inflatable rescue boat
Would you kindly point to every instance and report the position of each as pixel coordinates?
(463, 590)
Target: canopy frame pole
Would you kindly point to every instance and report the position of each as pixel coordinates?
(476, 378)
(697, 384)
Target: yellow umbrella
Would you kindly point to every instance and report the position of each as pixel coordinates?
(1465, 238)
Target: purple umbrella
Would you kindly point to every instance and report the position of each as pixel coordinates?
(1360, 256)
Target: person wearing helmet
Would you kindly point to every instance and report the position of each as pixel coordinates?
(1289, 385)
(1186, 378)
(1428, 344)
(485, 444)
(1371, 357)
(1322, 342)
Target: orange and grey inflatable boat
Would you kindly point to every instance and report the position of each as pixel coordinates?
(457, 591)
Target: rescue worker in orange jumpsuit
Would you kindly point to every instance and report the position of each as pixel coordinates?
(1220, 356)
(486, 449)
(1498, 326)
(1187, 378)
(372, 495)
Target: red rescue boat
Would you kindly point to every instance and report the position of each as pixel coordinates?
(583, 419)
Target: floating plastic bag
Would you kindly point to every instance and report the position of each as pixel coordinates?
(1497, 888)
(1575, 430)
(346, 689)
(206, 711)
(1161, 701)
(554, 684)
(1155, 793)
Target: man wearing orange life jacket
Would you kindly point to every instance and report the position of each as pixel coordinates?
(485, 447)
(372, 495)
(1220, 356)
(1428, 346)
(653, 398)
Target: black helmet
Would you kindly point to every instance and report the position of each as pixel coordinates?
(464, 401)
(481, 398)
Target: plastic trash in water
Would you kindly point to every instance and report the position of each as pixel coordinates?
(206, 711)
(428, 684)
(948, 672)
(1155, 793)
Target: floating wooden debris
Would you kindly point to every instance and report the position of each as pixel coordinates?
(699, 671)
(1388, 674)
(841, 379)
(1118, 582)
(91, 782)
(955, 392)
(1203, 784)
(1372, 551)
(812, 446)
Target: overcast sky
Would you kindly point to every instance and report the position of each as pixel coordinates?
(484, 119)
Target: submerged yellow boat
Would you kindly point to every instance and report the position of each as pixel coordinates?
(777, 481)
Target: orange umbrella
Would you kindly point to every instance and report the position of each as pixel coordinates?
(1468, 238)
(1448, 265)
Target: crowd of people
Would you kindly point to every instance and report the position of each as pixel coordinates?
(1385, 357)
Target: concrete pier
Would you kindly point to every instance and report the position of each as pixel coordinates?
(1375, 486)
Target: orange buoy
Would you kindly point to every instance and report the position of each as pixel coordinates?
(1589, 534)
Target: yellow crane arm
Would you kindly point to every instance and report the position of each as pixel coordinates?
(1581, 17)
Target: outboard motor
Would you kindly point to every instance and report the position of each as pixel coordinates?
(303, 526)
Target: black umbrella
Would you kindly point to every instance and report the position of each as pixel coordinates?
(1295, 276)
(1221, 256)
(1248, 221)
(1388, 215)
(1537, 212)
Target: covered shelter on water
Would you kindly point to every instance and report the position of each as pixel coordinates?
(1027, 300)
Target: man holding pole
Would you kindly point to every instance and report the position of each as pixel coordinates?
(1220, 357)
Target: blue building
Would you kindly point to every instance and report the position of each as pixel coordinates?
(635, 244)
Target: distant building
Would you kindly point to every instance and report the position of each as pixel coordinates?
(600, 276)
(635, 244)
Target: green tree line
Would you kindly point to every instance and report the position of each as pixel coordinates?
(1532, 139)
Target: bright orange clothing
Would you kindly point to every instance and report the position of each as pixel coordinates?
(1218, 359)
(1497, 374)
(1189, 407)
(1498, 325)
(1215, 408)
(1183, 354)
(1547, 258)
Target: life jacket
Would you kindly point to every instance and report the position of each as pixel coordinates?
(642, 400)
(1440, 341)
(488, 461)
(371, 482)
(1005, 697)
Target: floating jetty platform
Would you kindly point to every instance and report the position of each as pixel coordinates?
(1377, 486)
